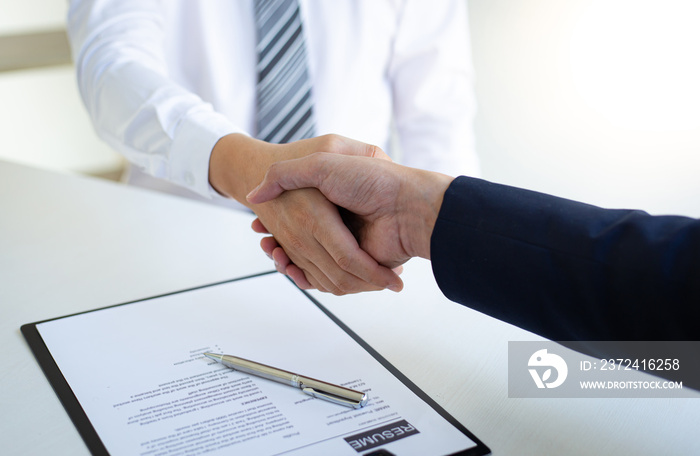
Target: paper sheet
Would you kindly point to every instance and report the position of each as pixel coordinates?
(139, 374)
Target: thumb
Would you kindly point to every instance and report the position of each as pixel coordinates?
(368, 150)
(283, 176)
(265, 191)
(350, 146)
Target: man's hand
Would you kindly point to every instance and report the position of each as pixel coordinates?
(396, 206)
(305, 224)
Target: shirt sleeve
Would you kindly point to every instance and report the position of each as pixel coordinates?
(432, 82)
(135, 107)
(567, 270)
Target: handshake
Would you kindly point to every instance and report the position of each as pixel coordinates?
(382, 214)
(344, 218)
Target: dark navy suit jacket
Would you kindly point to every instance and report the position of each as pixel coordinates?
(568, 270)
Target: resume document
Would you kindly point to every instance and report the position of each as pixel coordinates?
(139, 374)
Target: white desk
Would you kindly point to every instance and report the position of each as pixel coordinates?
(69, 244)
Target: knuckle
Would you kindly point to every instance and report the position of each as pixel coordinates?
(344, 262)
(292, 241)
(272, 170)
(296, 244)
(338, 292)
(344, 285)
(315, 229)
(330, 142)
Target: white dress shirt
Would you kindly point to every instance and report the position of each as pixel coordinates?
(163, 81)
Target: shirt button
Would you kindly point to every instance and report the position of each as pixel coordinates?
(189, 178)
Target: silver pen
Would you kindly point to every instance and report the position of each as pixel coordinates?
(311, 386)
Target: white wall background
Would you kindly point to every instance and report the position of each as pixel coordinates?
(31, 15)
(596, 100)
(42, 120)
(591, 100)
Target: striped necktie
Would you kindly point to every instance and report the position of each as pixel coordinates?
(284, 101)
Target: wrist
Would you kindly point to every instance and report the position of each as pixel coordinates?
(238, 163)
(422, 199)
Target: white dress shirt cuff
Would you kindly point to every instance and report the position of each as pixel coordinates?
(191, 150)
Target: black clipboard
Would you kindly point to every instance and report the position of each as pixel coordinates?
(95, 445)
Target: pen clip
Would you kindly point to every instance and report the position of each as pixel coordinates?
(335, 399)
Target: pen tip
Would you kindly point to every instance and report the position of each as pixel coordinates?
(213, 356)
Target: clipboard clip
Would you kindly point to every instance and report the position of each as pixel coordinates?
(335, 399)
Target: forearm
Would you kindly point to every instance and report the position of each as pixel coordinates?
(567, 270)
(133, 103)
